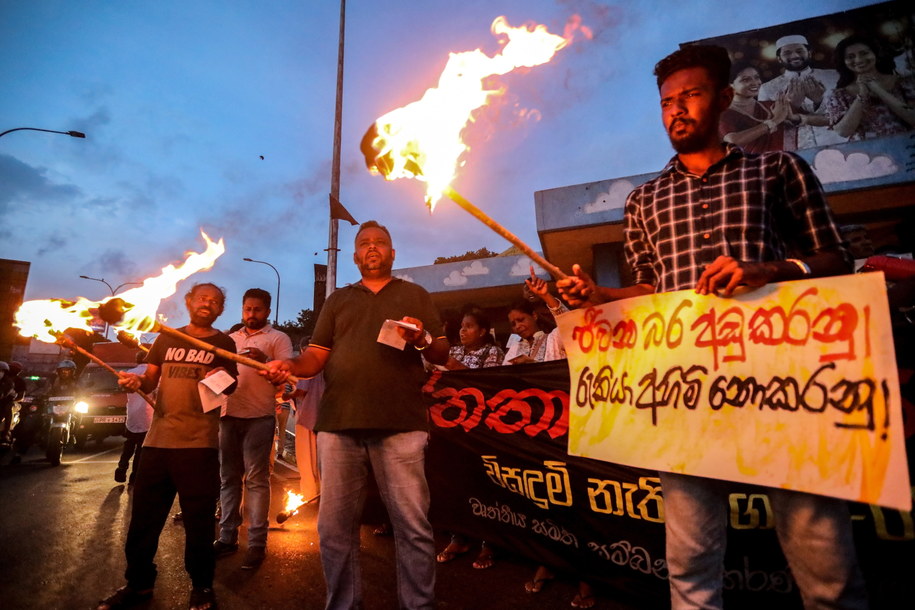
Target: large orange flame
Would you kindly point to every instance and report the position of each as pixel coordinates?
(44, 319)
(294, 501)
(423, 139)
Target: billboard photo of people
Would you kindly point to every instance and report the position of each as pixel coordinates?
(817, 82)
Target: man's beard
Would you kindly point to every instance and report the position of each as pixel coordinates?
(797, 68)
(200, 319)
(255, 324)
(378, 264)
(694, 141)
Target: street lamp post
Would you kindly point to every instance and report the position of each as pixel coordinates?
(113, 291)
(72, 134)
(276, 312)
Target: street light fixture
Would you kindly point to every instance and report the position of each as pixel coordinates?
(276, 312)
(113, 291)
(72, 134)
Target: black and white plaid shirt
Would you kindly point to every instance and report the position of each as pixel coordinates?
(752, 207)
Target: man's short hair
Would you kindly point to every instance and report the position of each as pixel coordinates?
(713, 58)
(257, 293)
(372, 224)
(222, 293)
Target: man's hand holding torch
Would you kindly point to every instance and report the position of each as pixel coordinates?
(307, 364)
(277, 371)
(130, 381)
(578, 289)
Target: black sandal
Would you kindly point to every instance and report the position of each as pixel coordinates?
(125, 597)
(200, 597)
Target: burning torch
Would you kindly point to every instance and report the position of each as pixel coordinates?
(125, 338)
(294, 502)
(422, 140)
(70, 344)
(133, 310)
(113, 310)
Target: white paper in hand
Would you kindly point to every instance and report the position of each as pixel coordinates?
(211, 388)
(389, 335)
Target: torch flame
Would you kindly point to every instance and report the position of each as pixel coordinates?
(294, 501)
(422, 140)
(44, 319)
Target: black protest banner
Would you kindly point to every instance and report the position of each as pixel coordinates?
(499, 471)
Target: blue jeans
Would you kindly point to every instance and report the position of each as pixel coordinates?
(244, 451)
(814, 532)
(398, 461)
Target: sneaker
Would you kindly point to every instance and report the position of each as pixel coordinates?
(120, 475)
(224, 548)
(253, 557)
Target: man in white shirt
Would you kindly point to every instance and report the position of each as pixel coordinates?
(139, 417)
(807, 89)
(246, 433)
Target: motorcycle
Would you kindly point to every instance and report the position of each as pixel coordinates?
(61, 427)
(29, 428)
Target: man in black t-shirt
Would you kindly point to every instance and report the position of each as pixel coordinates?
(372, 413)
(180, 455)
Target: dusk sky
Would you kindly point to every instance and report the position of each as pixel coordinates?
(181, 100)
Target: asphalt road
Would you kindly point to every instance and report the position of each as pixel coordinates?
(62, 537)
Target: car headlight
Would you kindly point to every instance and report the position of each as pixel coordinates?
(81, 407)
(60, 409)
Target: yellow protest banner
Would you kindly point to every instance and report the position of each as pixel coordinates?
(793, 385)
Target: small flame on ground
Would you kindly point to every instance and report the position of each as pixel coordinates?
(423, 139)
(294, 501)
(42, 319)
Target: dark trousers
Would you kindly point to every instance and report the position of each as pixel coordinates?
(133, 446)
(194, 475)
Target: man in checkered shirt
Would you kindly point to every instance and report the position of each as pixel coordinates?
(717, 218)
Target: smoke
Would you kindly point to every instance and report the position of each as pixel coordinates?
(573, 75)
(601, 19)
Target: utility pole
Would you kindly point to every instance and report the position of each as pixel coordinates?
(335, 167)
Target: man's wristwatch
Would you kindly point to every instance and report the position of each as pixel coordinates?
(428, 338)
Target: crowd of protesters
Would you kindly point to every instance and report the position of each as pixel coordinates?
(356, 393)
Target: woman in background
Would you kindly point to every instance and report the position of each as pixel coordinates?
(531, 347)
(477, 347)
(870, 100)
(750, 124)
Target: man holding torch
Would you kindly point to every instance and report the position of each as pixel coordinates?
(180, 454)
(372, 415)
(714, 219)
